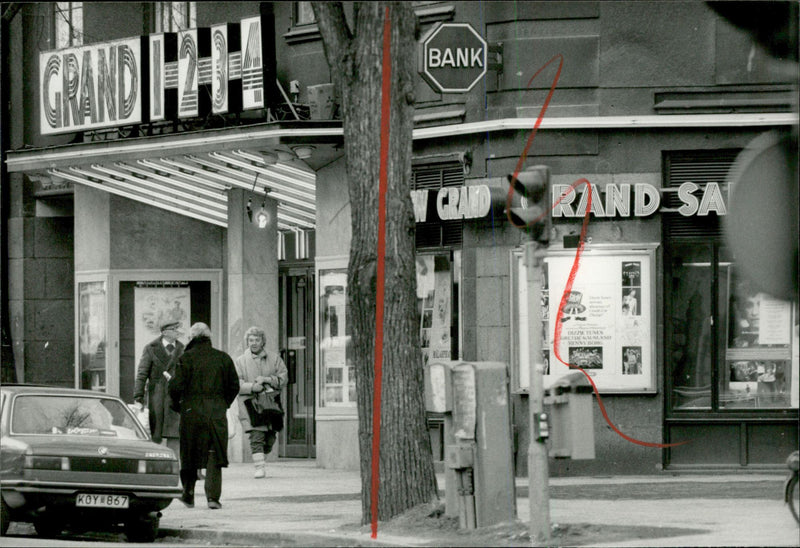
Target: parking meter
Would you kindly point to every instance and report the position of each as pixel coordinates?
(569, 405)
(481, 454)
(439, 401)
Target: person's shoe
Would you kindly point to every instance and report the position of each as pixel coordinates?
(188, 499)
(214, 504)
(258, 463)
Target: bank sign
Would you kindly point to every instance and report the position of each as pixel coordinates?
(452, 57)
(158, 77)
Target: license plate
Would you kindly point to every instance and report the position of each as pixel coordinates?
(87, 500)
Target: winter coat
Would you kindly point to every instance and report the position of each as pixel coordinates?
(204, 386)
(249, 366)
(164, 422)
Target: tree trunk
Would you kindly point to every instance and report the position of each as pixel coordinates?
(406, 462)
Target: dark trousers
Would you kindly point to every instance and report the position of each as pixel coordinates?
(213, 481)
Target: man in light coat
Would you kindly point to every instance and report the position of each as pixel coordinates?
(259, 370)
(156, 367)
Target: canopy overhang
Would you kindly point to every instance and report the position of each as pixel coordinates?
(190, 173)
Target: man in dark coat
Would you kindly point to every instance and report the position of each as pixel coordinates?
(203, 388)
(156, 367)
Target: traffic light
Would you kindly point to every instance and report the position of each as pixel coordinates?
(529, 207)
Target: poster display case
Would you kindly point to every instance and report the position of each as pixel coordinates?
(92, 340)
(607, 320)
(338, 377)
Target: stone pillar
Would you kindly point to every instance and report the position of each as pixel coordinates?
(252, 265)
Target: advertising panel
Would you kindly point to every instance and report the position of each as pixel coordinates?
(607, 319)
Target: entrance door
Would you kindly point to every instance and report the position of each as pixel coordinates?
(297, 349)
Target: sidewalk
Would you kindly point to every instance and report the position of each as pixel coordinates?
(301, 504)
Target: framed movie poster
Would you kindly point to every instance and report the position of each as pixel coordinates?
(607, 320)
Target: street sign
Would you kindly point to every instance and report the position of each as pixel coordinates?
(452, 57)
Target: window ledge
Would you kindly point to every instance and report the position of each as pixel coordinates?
(306, 33)
(433, 13)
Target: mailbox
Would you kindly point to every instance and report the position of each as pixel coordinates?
(569, 406)
(481, 452)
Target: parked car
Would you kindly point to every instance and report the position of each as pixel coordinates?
(80, 460)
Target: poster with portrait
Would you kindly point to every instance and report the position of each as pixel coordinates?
(604, 324)
(156, 302)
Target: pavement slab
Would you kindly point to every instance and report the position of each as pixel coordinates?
(300, 504)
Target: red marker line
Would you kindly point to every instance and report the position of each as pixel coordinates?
(383, 183)
(576, 262)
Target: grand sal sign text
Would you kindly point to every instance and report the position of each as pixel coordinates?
(162, 76)
(613, 200)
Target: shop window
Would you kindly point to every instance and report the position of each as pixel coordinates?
(337, 378)
(175, 16)
(68, 23)
(730, 347)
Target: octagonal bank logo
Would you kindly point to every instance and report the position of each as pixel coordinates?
(452, 57)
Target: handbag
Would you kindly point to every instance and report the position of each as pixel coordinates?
(265, 409)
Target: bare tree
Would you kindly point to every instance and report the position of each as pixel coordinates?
(355, 57)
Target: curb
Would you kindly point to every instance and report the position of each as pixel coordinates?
(241, 538)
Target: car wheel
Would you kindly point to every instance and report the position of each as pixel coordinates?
(48, 527)
(142, 528)
(5, 514)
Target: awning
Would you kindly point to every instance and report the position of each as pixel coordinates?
(190, 173)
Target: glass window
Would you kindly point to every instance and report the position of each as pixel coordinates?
(73, 416)
(729, 346)
(690, 322)
(303, 14)
(68, 17)
(92, 335)
(757, 370)
(337, 379)
(175, 16)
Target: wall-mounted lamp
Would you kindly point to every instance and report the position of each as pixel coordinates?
(303, 151)
(262, 216)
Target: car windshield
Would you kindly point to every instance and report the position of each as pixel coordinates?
(73, 416)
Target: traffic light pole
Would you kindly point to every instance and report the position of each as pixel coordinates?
(538, 478)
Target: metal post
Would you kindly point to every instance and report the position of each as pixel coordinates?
(538, 488)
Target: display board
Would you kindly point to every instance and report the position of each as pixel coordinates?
(607, 320)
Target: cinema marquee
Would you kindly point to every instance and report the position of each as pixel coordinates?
(146, 79)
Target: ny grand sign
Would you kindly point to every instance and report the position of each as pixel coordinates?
(190, 73)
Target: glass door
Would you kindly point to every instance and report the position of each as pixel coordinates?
(297, 350)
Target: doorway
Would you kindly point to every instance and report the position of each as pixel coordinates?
(296, 294)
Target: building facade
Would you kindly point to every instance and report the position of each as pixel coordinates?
(145, 142)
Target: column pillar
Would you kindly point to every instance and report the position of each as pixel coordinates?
(252, 265)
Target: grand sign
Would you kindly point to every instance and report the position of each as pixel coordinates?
(614, 200)
(145, 79)
(639, 200)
